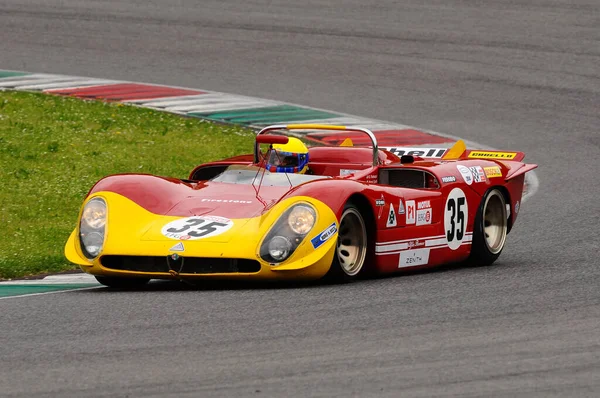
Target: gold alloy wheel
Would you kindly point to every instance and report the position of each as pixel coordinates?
(494, 221)
(352, 242)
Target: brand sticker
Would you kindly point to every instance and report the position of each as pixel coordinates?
(345, 172)
(423, 217)
(449, 179)
(411, 216)
(391, 220)
(465, 173)
(226, 201)
(324, 236)
(411, 258)
(478, 174)
(177, 248)
(492, 155)
(379, 202)
(493, 171)
(197, 227)
(422, 152)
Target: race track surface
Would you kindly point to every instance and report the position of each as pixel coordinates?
(519, 74)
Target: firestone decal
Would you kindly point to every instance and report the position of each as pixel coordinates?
(197, 227)
(324, 236)
(226, 201)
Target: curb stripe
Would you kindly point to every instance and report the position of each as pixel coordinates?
(250, 112)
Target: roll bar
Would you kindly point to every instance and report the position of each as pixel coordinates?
(318, 127)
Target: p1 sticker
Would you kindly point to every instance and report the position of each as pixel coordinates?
(465, 173)
(456, 214)
(197, 227)
(411, 216)
(324, 236)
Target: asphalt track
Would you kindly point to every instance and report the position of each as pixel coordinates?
(511, 74)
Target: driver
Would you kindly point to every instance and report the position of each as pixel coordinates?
(288, 158)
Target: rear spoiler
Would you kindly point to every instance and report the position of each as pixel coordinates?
(459, 151)
(509, 159)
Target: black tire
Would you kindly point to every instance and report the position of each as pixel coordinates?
(488, 243)
(122, 283)
(352, 247)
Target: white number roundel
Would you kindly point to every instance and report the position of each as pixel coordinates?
(198, 227)
(456, 213)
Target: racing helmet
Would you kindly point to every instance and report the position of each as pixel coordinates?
(288, 158)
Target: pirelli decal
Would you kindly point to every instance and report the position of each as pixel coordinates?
(492, 155)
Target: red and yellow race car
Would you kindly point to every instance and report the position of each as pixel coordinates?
(287, 212)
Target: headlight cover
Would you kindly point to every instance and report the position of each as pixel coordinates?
(288, 232)
(92, 227)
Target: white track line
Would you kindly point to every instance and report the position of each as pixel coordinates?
(56, 291)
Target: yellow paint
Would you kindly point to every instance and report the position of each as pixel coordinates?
(314, 127)
(347, 142)
(492, 155)
(492, 172)
(456, 151)
(132, 230)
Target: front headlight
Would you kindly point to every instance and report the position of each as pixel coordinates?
(301, 219)
(92, 227)
(288, 233)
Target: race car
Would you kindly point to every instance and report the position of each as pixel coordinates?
(296, 213)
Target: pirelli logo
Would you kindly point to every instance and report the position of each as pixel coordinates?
(492, 155)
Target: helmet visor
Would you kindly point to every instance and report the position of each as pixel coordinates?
(282, 159)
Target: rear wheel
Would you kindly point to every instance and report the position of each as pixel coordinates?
(351, 248)
(122, 283)
(490, 229)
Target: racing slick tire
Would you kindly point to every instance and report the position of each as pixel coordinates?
(351, 247)
(122, 283)
(490, 229)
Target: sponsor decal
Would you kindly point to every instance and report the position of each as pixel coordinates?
(493, 171)
(456, 213)
(379, 202)
(426, 204)
(391, 220)
(401, 207)
(197, 227)
(178, 247)
(465, 173)
(324, 236)
(175, 256)
(226, 201)
(411, 216)
(492, 155)
(422, 152)
(449, 179)
(413, 244)
(424, 217)
(345, 172)
(411, 258)
(517, 207)
(371, 178)
(478, 174)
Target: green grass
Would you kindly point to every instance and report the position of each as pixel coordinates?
(53, 149)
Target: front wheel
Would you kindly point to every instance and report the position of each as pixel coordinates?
(122, 283)
(490, 229)
(351, 247)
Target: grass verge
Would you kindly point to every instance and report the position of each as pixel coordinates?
(53, 149)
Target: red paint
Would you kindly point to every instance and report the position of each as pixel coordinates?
(385, 138)
(124, 91)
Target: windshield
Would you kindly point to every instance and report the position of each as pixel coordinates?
(246, 175)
